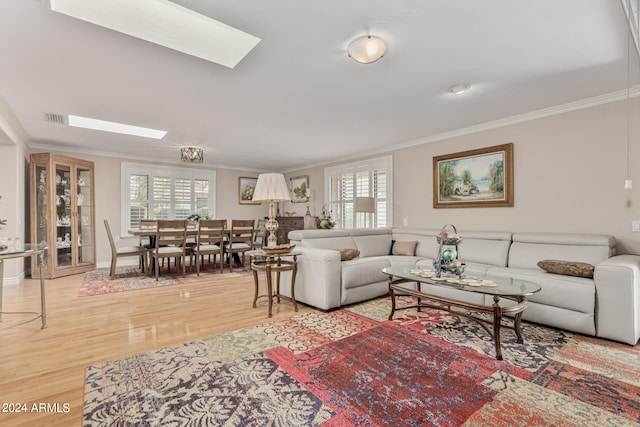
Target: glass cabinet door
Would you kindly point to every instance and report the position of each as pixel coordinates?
(41, 228)
(62, 199)
(84, 200)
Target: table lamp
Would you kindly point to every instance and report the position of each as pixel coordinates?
(365, 205)
(273, 188)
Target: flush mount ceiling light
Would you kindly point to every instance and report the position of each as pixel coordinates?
(164, 23)
(105, 126)
(191, 154)
(459, 89)
(367, 49)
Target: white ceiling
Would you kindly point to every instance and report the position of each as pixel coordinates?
(297, 100)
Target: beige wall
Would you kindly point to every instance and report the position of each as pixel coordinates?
(13, 203)
(569, 172)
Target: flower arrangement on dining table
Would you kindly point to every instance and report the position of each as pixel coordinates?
(195, 218)
(324, 219)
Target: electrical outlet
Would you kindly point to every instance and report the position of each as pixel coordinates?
(635, 225)
(117, 238)
(405, 221)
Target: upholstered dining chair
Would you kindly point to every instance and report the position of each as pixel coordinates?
(209, 241)
(171, 242)
(241, 238)
(125, 251)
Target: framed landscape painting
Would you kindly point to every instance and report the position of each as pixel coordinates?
(299, 187)
(475, 178)
(246, 187)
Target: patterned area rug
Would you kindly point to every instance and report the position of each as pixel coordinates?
(130, 278)
(352, 367)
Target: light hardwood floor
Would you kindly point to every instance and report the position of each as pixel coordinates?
(48, 365)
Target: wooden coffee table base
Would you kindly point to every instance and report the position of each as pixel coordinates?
(395, 285)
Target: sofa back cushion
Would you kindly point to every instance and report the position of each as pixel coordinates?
(323, 239)
(427, 246)
(529, 248)
(372, 241)
(482, 247)
(485, 247)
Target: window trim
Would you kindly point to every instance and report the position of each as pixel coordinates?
(384, 162)
(127, 169)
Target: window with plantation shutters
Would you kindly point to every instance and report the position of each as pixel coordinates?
(368, 178)
(155, 192)
(138, 197)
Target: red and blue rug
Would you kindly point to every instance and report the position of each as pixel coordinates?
(352, 367)
(130, 278)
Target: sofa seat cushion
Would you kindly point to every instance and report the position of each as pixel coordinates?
(397, 260)
(364, 271)
(568, 292)
(472, 268)
(425, 263)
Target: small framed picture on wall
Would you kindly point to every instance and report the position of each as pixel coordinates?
(299, 189)
(246, 187)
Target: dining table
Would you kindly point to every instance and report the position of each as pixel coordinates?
(192, 230)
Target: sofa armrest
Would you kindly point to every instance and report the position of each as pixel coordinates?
(318, 278)
(617, 281)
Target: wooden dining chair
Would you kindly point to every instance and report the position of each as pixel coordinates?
(171, 242)
(125, 251)
(209, 241)
(147, 225)
(260, 234)
(240, 239)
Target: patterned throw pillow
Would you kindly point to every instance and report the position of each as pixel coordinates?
(568, 268)
(348, 254)
(404, 248)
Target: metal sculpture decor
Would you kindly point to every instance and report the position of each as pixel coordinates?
(448, 258)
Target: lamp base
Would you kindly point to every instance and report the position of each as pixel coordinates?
(271, 226)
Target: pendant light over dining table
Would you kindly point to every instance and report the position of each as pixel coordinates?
(191, 154)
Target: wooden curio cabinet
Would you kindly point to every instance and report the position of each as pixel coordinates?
(62, 213)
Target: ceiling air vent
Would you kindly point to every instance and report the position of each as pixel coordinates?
(55, 118)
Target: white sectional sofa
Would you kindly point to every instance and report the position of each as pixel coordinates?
(606, 306)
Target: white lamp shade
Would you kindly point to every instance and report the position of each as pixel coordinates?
(364, 204)
(271, 186)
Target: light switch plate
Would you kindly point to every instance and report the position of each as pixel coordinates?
(635, 225)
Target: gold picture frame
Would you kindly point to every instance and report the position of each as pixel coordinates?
(246, 187)
(474, 178)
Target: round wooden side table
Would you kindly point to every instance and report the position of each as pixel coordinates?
(269, 264)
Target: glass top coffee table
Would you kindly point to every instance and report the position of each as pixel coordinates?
(409, 280)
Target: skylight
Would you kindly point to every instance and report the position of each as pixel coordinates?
(103, 125)
(167, 24)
